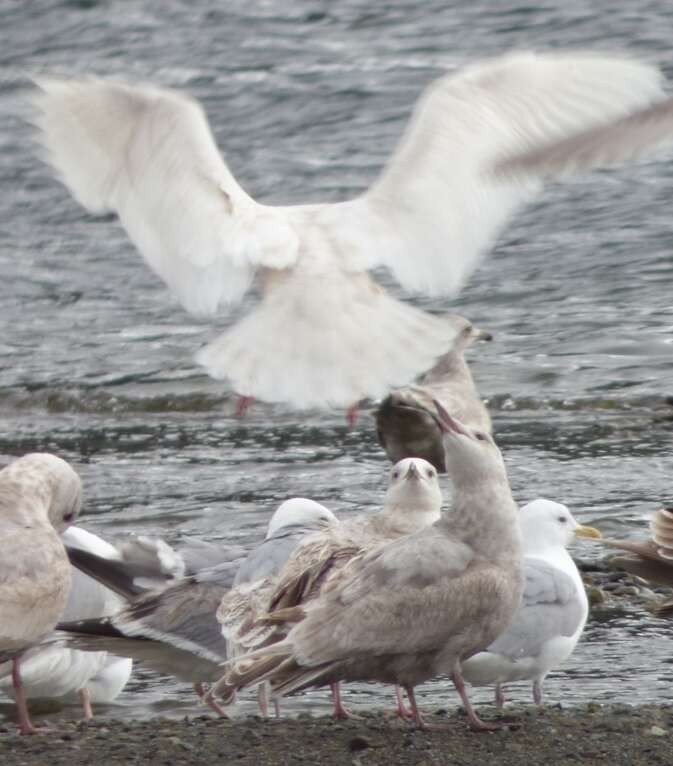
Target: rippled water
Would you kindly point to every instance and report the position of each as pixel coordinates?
(96, 357)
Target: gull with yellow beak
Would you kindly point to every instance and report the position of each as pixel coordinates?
(553, 608)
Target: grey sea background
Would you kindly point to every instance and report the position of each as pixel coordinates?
(307, 100)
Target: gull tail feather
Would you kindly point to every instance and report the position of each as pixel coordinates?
(306, 345)
(255, 667)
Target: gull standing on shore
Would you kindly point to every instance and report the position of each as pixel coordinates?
(324, 333)
(413, 501)
(52, 670)
(173, 629)
(416, 607)
(40, 495)
(553, 611)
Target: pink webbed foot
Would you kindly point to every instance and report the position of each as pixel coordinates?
(476, 724)
(25, 724)
(340, 712)
(402, 711)
(210, 701)
(416, 716)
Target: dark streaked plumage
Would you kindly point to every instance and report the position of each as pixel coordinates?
(405, 424)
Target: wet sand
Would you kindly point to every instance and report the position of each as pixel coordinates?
(591, 734)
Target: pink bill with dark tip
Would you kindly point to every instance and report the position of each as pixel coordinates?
(448, 423)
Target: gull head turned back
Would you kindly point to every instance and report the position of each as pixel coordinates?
(51, 487)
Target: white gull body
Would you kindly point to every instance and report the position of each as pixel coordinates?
(553, 609)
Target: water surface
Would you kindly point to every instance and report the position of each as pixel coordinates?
(307, 102)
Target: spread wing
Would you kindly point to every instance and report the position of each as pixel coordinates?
(148, 155)
(438, 207)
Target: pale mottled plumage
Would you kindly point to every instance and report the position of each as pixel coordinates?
(52, 670)
(404, 425)
(40, 494)
(415, 607)
(650, 559)
(413, 501)
(553, 609)
(148, 155)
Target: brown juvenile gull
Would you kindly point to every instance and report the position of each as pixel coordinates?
(40, 494)
(650, 559)
(414, 608)
(404, 424)
(413, 501)
(173, 629)
(553, 610)
(325, 333)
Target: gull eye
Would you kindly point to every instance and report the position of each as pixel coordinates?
(480, 436)
(431, 473)
(562, 519)
(396, 474)
(68, 517)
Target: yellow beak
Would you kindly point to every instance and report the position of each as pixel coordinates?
(588, 532)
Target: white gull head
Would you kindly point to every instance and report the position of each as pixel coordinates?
(298, 511)
(547, 525)
(413, 482)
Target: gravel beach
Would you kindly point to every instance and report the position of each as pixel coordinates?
(590, 734)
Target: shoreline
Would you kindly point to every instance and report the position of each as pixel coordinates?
(590, 734)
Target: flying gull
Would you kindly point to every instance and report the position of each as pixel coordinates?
(553, 609)
(40, 494)
(624, 139)
(413, 608)
(324, 332)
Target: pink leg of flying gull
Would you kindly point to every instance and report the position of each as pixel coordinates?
(243, 405)
(499, 697)
(352, 414)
